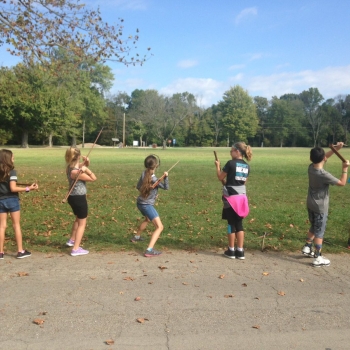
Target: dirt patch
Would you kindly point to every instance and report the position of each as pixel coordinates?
(88, 145)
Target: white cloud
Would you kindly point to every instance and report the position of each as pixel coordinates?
(187, 63)
(246, 13)
(207, 91)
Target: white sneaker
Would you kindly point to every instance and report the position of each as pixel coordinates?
(308, 251)
(320, 261)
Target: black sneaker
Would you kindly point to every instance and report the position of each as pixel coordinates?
(25, 254)
(240, 254)
(1, 256)
(231, 254)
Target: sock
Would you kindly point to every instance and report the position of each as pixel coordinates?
(149, 249)
(318, 248)
(137, 237)
(232, 249)
(240, 249)
(308, 243)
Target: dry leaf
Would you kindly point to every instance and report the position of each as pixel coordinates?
(128, 278)
(137, 298)
(266, 273)
(22, 274)
(222, 276)
(38, 321)
(281, 293)
(109, 342)
(244, 284)
(184, 283)
(229, 296)
(256, 326)
(142, 320)
(301, 280)
(43, 313)
(162, 267)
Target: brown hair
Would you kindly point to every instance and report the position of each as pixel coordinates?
(151, 163)
(72, 155)
(6, 164)
(244, 149)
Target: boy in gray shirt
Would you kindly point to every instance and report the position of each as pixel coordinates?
(318, 201)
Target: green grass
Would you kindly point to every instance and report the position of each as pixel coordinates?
(190, 210)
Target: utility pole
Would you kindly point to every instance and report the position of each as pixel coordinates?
(124, 130)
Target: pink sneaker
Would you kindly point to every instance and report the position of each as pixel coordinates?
(79, 251)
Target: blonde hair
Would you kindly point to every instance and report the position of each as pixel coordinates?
(244, 149)
(151, 163)
(6, 164)
(72, 155)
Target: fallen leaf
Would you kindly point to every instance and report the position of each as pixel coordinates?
(38, 321)
(137, 298)
(184, 283)
(301, 280)
(281, 293)
(266, 273)
(229, 296)
(162, 267)
(222, 276)
(244, 284)
(43, 313)
(22, 274)
(142, 320)
(128, 278)
(109, 342)
(256, 326)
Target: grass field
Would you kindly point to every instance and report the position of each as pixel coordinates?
(190, 210)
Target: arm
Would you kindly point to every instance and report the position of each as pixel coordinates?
(219, 173)
(85, 174)
(344, 175)
(338, 146)
(15, 188)
(165, 185)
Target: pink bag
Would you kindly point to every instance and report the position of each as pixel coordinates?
(239, 204)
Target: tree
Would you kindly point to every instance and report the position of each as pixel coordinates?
(312, 100)
(239, 114)
(262, 105)
(33, 28)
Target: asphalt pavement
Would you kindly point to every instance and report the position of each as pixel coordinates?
(179, 300)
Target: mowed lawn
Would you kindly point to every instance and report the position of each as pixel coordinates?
(190, 210)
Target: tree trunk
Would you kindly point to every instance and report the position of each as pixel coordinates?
(164, 144)
(74, 141)
(24, 139)
(50, 140)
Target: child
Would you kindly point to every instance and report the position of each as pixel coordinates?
(9, 201)
(236, 172)
(145, 203)
(318, 201)
(77, 198)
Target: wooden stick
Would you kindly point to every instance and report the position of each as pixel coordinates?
(21, 184)
(161, 178)
(216, 158)
(80, 171)
(337, 153)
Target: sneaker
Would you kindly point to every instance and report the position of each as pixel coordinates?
(1, 256)
(134, 239)
(320, 261)
(79, 251)
(151, 253)
(308, 251)
(24, 254)
(231, 254)
(70, 243)
(240, 254)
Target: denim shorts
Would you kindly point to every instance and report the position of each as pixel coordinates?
(148, 211)
(9, 205)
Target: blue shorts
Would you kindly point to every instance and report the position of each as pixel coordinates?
(318, 223)
(148, 211)
(9, 205)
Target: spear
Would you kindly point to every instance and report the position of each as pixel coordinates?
(80, 171)
(161, 178)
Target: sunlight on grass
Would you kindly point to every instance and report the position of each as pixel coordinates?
(190, 210)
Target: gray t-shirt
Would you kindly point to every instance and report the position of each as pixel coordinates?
(151, 199)
(5, 191)
(318, 194)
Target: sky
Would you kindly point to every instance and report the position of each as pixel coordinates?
(205, 47)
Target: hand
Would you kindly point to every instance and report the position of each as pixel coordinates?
(86, 160)
(84, 168)
(165, 174)
(34, 186)
(346, 165)
(217, 163)
(339, 145)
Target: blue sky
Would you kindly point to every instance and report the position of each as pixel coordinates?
(269, 47)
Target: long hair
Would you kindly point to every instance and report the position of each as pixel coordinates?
(244, 149)
(71, 157)
(6, 164)
(151, 163)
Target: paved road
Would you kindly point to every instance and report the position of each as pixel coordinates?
(187, 300)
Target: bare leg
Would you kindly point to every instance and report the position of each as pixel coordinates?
(240, 239)
(15, 217)
(81, 224)
(231, 239)
(3, 225)
(156, 233)
(142, 227)
(74, 229)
